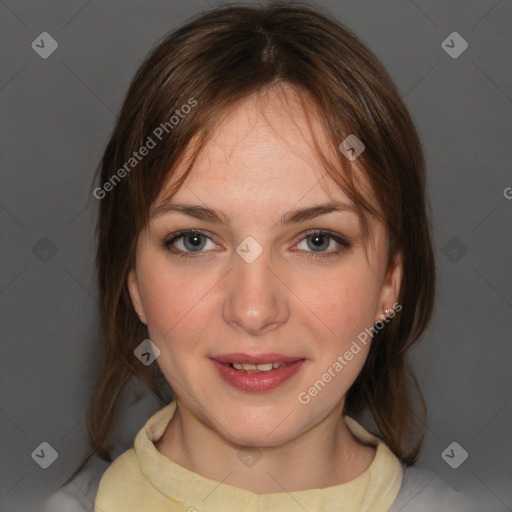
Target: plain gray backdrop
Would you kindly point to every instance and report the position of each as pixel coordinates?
(57, 113)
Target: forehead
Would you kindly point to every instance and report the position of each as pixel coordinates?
(263, 151)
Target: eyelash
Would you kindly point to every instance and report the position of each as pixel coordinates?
(189, 255)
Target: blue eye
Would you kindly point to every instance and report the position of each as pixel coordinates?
(193, 241)
(322, 240)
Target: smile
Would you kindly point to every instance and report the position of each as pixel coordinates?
(256, 373)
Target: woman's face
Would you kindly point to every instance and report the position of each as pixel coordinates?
(255, 289)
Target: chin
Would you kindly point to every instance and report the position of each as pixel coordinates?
(261, 432)
(258, 439)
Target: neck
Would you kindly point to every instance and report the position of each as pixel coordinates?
(325, 455)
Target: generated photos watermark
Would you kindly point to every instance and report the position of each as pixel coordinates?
(149, 144)
(305, 397)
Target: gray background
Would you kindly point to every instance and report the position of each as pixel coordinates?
(56, 116)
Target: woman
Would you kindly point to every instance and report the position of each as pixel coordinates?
(265, 262)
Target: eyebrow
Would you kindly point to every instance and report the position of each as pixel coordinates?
(217, 216)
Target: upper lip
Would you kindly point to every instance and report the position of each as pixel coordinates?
(255, 358)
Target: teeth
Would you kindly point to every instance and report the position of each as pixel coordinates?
(263, 367)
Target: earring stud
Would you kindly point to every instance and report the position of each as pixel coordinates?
(386, 313)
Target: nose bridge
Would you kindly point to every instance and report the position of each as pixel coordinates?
(255, 297)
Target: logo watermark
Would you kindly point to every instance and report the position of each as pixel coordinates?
(304, 397)
(149, 144)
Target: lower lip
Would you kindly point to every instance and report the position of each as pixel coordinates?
(257, 382)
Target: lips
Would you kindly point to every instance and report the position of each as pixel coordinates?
(240, 370)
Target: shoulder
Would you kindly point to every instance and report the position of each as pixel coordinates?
(78, 495)
(136, 404)
(98, 480)
(422, 490)
(121, 482)
(123, 467)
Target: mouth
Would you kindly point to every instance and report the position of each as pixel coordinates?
(256, 373)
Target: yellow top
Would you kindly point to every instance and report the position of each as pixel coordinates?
(142, 479)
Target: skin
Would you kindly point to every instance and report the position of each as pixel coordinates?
(259, 165)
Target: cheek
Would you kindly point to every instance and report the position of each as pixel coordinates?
(341, 305)
(340, 308)
(174, 306)
(162, 305)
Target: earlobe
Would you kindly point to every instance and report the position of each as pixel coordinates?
(133, 289)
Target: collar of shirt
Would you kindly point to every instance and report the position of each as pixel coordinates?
(375, 489)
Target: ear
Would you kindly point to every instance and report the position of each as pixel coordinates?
(133, 288)
(391, 286)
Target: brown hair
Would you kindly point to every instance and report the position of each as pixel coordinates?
(215, 60)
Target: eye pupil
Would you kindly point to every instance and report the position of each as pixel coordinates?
(196, 240)
(320, 237)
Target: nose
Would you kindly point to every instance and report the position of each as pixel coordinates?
(257, 300)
